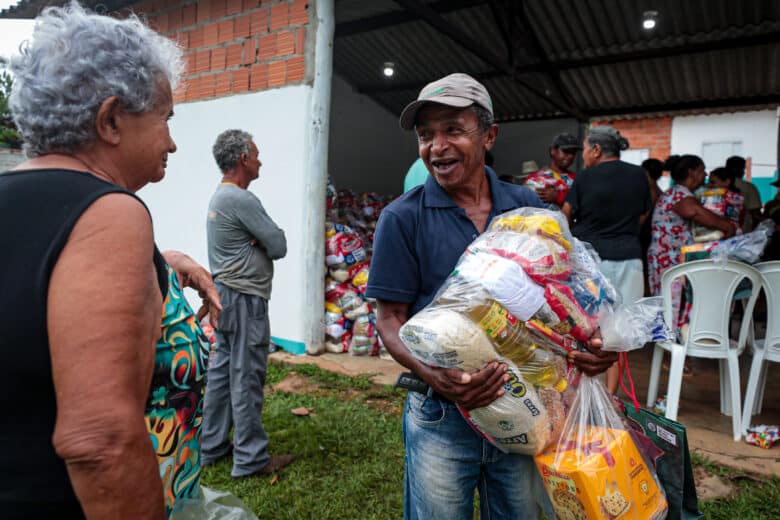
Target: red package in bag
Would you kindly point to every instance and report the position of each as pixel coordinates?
(561, 300)
(344, 248)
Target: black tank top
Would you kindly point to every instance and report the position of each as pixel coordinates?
(38, 209)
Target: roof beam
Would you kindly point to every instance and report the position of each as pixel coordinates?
(436, 21)
(534, 45)
(507, 29)
(665, 52)
(771, 99)
(465, 40)
(383, 21)
(662, 52)
(416, 85)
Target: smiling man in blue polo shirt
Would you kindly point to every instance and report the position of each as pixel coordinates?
(418, 241)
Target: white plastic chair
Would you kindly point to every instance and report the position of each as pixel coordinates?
(713, 285)
(767, 349)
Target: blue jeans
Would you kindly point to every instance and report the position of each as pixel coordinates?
(446, 460)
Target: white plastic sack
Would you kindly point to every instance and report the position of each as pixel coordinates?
(506, 282)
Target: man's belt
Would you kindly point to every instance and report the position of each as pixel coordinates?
(413, 383)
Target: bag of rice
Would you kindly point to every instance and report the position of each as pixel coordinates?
(446, 338)
(517, 421)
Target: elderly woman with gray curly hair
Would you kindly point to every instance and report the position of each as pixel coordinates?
(94, 374)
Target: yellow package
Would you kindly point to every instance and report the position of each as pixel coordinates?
(606, 478)
(540, 224)
(698, 251)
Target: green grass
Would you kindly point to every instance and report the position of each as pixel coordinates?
(350, 457)
(349, 453)
(754, 498)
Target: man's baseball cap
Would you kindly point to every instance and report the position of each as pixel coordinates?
(456, 90)
(566, 142)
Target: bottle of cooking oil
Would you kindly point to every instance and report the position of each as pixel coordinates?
(515, 342)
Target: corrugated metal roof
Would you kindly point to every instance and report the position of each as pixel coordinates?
(702, 53)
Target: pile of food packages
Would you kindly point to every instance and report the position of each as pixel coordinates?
(721, 202)
(350, 322)
(526, 293)
(548, 178)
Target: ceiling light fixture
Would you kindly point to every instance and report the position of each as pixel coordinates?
(649, 20)
(389, 69)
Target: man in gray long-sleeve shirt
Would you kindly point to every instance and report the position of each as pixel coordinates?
(243, 242)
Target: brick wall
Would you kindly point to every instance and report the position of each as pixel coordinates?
(652, 133)
(233, 46)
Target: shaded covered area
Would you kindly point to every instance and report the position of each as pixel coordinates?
(544, 59)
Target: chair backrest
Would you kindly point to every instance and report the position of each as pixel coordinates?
(713, 285)
(770, 273)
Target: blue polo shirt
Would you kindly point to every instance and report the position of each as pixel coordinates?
(421, 235)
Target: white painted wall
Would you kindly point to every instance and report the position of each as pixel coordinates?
(757, 130)
(368, 151)
(277, 119)
(10, 159)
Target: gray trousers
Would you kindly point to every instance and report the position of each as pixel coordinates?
(234, 384)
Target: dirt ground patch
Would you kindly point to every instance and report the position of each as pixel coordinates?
(385, 405)
(709, 487)
(294, 383)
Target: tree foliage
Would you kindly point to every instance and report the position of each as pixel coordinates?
(9, 136)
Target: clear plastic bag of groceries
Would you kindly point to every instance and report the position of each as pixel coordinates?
(211, 504)
(596, 470)
(744, 248)
(526, 293)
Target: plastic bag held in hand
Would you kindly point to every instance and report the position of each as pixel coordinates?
(595, 470)
(629, 327)
(525, 293)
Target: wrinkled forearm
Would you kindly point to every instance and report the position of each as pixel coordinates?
(115, 475)
(176, 259)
